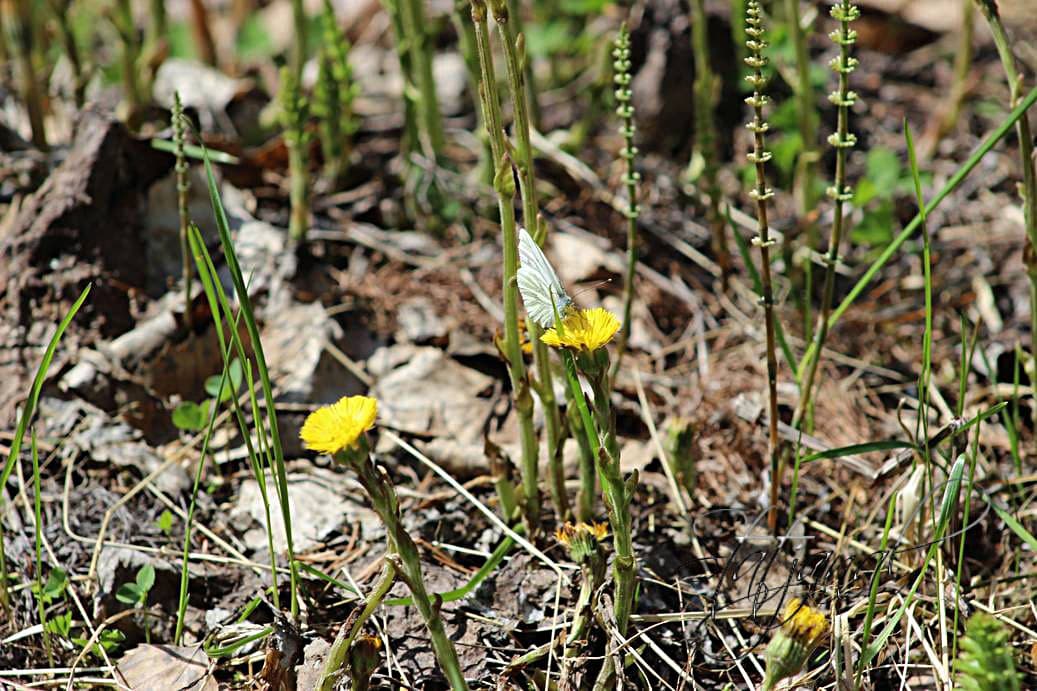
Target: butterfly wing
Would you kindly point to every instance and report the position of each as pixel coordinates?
(538, 283)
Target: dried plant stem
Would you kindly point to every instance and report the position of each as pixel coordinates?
(840, 193)
(470, 53)
(625, 110)
(515, 58)
(1029, 190)
(183, 185)
(19, 24)
(761, 193)
(203, 40)
(504, 183)
(402, 554)
(705, 134)
(62, 15)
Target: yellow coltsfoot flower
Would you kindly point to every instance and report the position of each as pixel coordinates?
(802, 629)
(583, 330)
(581, 539)
(339, 426)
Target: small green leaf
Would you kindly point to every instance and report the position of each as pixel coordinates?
(128, 593)
(876, 226)
(146, 578)
(165, 521)
(55, 586)
(190, 416)
(884, 169)
(60, 625)
(230, 387)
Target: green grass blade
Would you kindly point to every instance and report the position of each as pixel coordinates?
(223, 227)
(947, 504)
(952, 184)
(23, 423)
(196, 152)
(853, 449)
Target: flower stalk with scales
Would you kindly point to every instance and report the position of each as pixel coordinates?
(581, 337)
(583, 543)
(340, 430)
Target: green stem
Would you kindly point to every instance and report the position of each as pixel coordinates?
(513, 41)
(338, 654)
(504, 182)
(405, 53)
(588, 478)
(1022, 126)
(705, 133)
(840, 193)
(62, 14)
(414, 26)
(130, 50)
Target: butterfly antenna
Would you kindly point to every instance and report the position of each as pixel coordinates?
(593, 286)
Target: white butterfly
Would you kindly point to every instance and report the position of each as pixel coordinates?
(541, 289)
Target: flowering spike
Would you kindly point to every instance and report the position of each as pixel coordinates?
(761, 194)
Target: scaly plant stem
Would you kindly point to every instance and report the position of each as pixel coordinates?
(404, 53)
(625, 110)
(183, 185)
(705, 134)
(1029, 191)
(515, 58)
(402, 554)
(761, 193)
(840, 193)
(504, 183)
(592, 575)
(19, 24)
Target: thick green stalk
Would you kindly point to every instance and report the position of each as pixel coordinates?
(415, 30)
(403, 555)
(294, 114)
(1022, 128)
(761, 193)
(705, 134)
(840, 193)
(625, 110)
(515, 57)
(504, 183)
(405, 53)
(588, 478)
(334, 96)
(617, 493)
(338, 654)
